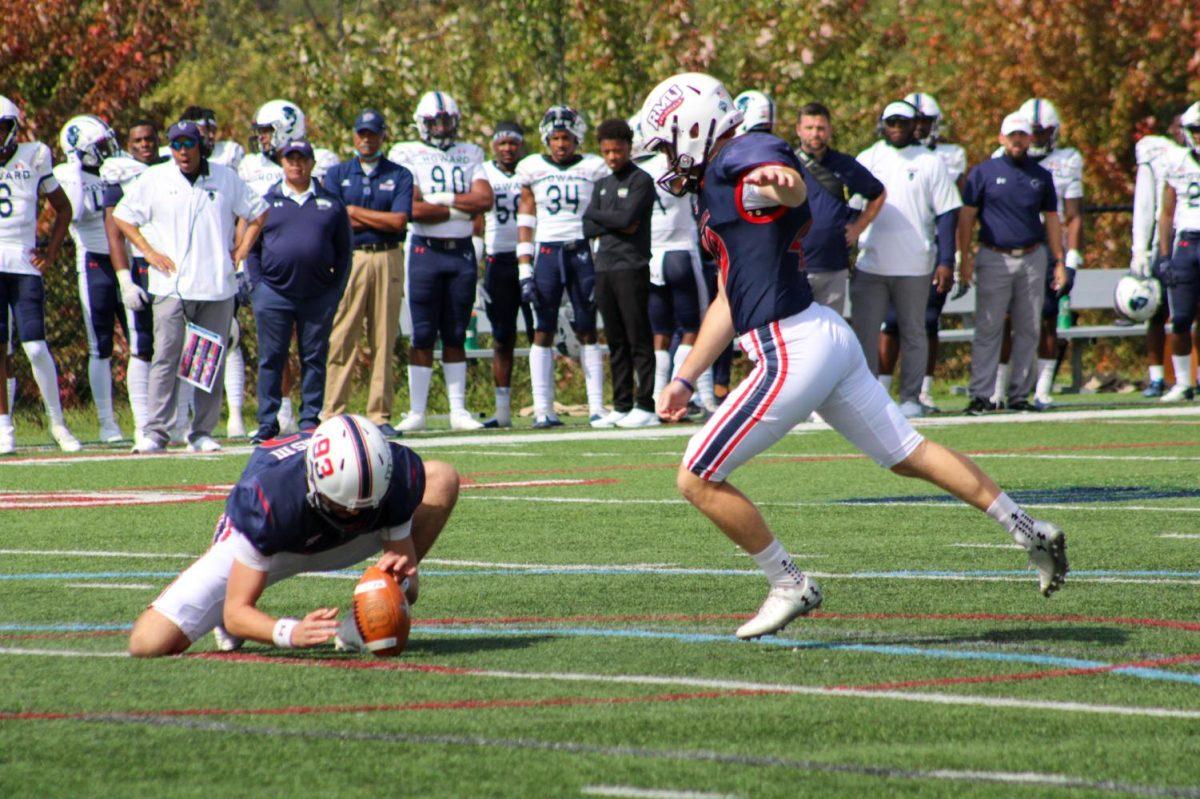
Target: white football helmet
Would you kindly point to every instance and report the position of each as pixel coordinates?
(683, 117)
(286, 121)
(562, 117)
(1042, 114)
(1137, 298)
(758, 112)
(927, 108)
(437, 117)
(1189, 120)
(89, 140)
(9, 111)
(349, 467)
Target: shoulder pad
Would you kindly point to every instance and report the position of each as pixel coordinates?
(119, 169)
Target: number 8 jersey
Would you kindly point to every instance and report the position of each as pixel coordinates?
(562, 192)
(436, 170)
(28, 174)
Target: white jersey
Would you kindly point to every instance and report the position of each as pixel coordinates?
(323, 159)
(1183, 175)
(27, 175)
(259, 172)
(436, 170)
(562, 193)
(954, 158)
(673, 220)
(1153, 154)
(85, 190)
(901, 239)
(500, 223)
(1065, 165)
(227, 153)
(121, 171)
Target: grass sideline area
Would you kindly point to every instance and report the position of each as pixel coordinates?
(574, 633)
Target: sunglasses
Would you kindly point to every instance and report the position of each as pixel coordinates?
(895, 121)
(184, 143)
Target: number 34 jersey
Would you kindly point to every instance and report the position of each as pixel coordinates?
(436, 170)
(1183, 175)
(562, 192)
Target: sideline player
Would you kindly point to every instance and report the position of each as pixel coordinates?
(449, 188)
(753, 213)
(1179, 225)
(25, 176)
(553, 256)
(758, 112)
(88, 142)
(501, 288)
(308, 502)
(954, 158)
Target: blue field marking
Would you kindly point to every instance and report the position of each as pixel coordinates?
(1049, 496)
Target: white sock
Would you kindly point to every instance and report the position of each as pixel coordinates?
(46, 376)
(504, 405)
(285, 409)
(704, 387)
(1017, 522)
(778, 565)
(138, 385)
(100, 379)
(1158, 372)
(6, 421)
(235, 380)
(1001, 391)
(927, 385)
(886, 382)
(1045, 378)
(1183, 370)
(419, 378)
(183, 409)
(12, 392)
(541, 379)
(662, 371)
(681, 352)
(592, 358)
(456, 384)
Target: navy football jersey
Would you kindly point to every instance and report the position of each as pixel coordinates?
(269, 504)
(758, 250)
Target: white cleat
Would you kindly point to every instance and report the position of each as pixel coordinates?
(639, 418)
(411, 423)
(912, 410)
(347, 638)
(62, 436)
(783, 604)
(110, 432)
(8, 444)
(463, 420)
(225, 641)
(1178, 393)
(144, 444)
(605, 420)
(1047, 550)
(927, 400)
(204, 444)
(235, 427)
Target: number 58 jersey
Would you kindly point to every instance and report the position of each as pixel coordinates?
(436, 170)
(562, 192)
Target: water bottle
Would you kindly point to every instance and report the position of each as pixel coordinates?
(472, 341)
(1064, 313)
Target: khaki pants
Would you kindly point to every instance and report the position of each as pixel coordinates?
(1007, 284)
(371, 304)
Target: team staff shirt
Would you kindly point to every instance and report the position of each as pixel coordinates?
(304, 249)
(622, 199)
(1154, 154)
(1066, 165)
(27, 175)
(389, 187)
(269, 505)
(562, 193)
(1183, 175)
(757, 249)
(901, 240)
(436, 170)
(825, 247)
(192, 224)
(500, 223)
(1011, 197)
(85, 190)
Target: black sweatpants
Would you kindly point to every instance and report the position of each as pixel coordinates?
(623, 299)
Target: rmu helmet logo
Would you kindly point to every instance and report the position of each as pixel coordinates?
(660, 112)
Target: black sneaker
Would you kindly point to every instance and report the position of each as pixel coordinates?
(264, 433)
(979, 406)
(1022, 406)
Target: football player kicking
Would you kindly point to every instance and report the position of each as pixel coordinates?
(449, 189)
(305, 503)
(753, 213)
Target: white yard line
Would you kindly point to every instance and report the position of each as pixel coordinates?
(988, 546)
(88, 553)
(127, 586)
(650, 793)
(1180, 536)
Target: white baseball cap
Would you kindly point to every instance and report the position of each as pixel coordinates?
(899, 108)
(1015, 123)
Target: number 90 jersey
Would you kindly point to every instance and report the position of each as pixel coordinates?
(562, 193)
(500, 223)
(1183, 175)
(436, 170)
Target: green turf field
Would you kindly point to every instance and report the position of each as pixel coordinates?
(574, 633)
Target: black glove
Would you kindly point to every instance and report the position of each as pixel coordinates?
(528, 292)
(1162, 270)
(245, 287)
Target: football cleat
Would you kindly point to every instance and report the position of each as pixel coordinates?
(62, 436)
(928, 401)
(1156, 388)
(225, 641)
(110, 432)
(411, 423)
(783, 604)
(1178, 393)
(1047, 548)
(463, 420)
(912, 409)
(639, 418)
(204, 444)
(605, 420)
(979, 406)
(495, 424)
(8, 444)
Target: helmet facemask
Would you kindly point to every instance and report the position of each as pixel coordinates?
(8, 135)
(439, 130)
(683, 174)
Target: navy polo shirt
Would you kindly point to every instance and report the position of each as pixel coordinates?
(825, 243)
(304, 250)
(389, 188)
(1011, 197)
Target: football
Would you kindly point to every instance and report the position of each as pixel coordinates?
(381, 613)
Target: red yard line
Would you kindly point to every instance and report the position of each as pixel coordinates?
(62, 635)
(458, 704)
(1023, 675)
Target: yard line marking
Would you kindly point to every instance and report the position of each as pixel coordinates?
(568, 567)
(89, 553)
(988, 546)
(468, 483)
(1181, 536)
(679, 755)
(9, 650)
(650, 793)
(129, 586)
(36, 500)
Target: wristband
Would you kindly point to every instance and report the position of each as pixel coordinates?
(524, 270)
(688, 384)
(525, 249)
(457, 214)
(440, 198)
(1074, 259)
(527, 220)
(282, 634)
